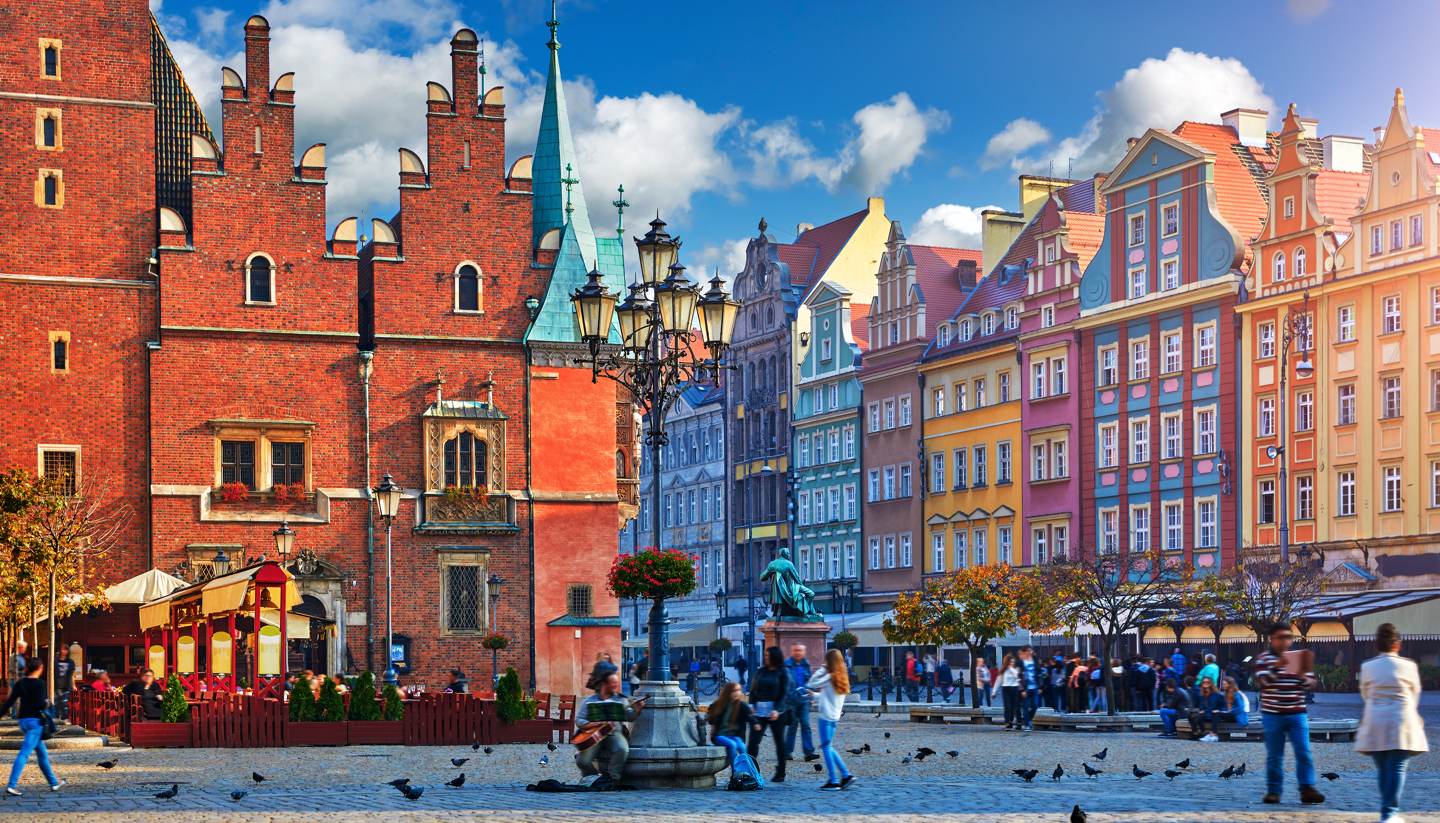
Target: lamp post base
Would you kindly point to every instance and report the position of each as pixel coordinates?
(667, 747)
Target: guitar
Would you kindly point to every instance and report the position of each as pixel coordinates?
(596, 732)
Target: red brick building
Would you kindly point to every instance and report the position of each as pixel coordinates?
(196, 334)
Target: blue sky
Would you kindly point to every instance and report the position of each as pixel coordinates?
(720, 113)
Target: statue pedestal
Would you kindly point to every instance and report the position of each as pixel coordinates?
(667, 748)
(783, 633)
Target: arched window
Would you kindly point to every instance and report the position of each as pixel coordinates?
(49, 131)
(467, 288)
(769, 316)
(1300, 262)
(965, 329)
(52, 61)
(466, 457)
(1277, 267)
(259, 279)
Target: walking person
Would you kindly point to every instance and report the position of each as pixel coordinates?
(769, 689)
(729, 718)
(741, 666)
(945, 680)
(64, 682)
(1008, 684)
(1391, 731)
(797, 666)
(913, 670)
(831, 684)
(1283, 676)
(1030, 679)
(1097, 687)
(982, 683)
(28, 693)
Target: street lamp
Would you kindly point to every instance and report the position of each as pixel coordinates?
(654, 362)
(840, 594)
(220, 564)
(387, 501)
(492, 592)
(1294, 325)
(284, 541)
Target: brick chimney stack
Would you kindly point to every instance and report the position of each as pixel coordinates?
(465, 72)
(257, 58)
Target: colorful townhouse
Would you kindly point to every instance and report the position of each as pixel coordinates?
(766, 349)
(1159, 406)
(916, 284)
(1063, 238)
(1351, 246)
(827, 445)
(970, 405)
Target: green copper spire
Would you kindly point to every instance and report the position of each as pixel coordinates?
(620, 206)
(555, 162)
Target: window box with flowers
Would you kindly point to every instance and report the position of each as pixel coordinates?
(290, 498)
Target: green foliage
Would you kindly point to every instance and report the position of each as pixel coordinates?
(302, 702)
(494, 641)
(720, 644)
(173, 708)
(1429, 676)
(845, 640)
(331, 708)
(1334, 678)
(363, 705)
(510, 700)
(394, 707)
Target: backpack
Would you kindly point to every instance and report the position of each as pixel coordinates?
(745, 775)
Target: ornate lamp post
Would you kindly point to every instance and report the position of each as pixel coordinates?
(840, 595)
(492, 592)
(387, 501)
(1294, 325)
(220, 565)
(653, 361)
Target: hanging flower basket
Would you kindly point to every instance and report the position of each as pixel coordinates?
(494, 642)
(653, 575)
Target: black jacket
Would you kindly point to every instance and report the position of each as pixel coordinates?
(149, 698)
(772, 685)
(30, 693)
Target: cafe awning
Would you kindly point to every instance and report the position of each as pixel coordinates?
(225, 594)
(144, 587)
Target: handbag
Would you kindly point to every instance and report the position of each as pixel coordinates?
(47, 725)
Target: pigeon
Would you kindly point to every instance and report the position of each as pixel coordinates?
(1330, 775)
(866, 747)
(550, 746)
(489, 750)
(106, 764)
(877, 715)
(404, 781)
(887, 735)
(1100, 755)
(855, 751)
(818, 767)
(1077, 815)
(1172, 774)
(238, 795)
(1240, 772)
(544, 760)
(1025, 774)
(905, 761)
(412, 792)
(1228, 772)
(1091, 771)
(475, 747)
(257, 777)
(1140, 774)
(953, 753)
(457, 782)
(457, 762)
(1058, 773)
(925, 751)
(1183, 764)
(169, 794)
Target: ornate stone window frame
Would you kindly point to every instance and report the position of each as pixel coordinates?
(263, 433)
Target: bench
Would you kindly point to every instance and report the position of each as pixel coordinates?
(957, 714)
(1326, 731)
(1080, 722)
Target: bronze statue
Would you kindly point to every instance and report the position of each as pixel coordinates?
(790, 598)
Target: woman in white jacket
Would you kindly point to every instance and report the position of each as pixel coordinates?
(1391, 731)
(831, 684)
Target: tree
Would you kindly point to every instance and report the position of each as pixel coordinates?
(1259, 591)
(173, 706)
(331, 706)
(363, 705)
(394, 706)
(972, 606)
(510, 701)
(1117, 594)
(302, 702)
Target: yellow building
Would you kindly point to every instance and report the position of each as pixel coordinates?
(970, 389)
(1363, 435)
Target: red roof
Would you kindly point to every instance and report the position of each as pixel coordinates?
(938, 276)
(812, 252)
(1085, 231)
(1338, 194)
(860, 325)
(1237, 183)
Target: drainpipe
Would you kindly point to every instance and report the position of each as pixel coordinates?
(530, 504)
(151, 346)
(367, 368)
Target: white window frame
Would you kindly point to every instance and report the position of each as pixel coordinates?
(1110, 352)
(1170, 274)
(1109, 529)
(1345, 319)
(479, 288)
(1390, 314)
(1139, 440)
(1265, 339)
(1391, 491)
(1107, 444)
(1170, 219)
(1172, 439)
(1140, 359)
(273, 296)
(1140, 528)
(1135, 229)
(1173, 515)
(1207, 345)
(1137, 282)
(1207, 523)
(1207, 440)
(1345, 493)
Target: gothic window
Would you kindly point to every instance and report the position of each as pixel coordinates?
(50, 189)
(237, 462)
(50, 59)
(466, 458)
(463, 604)
(259, 279)
(467, 288)
(287, 463)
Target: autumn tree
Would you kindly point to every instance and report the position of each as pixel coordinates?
(1117, 594)
(971, 607)
(1260, 591)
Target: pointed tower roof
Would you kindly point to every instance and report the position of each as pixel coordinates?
(555, 162)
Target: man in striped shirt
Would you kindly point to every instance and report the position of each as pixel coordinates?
(1283, 716)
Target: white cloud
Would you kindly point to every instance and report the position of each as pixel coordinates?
(888, 139)
(212, 22)
(949, 224)
(1306, 10)
(1018, 136)
(1158, 93)
(728, 256)
(424, 19)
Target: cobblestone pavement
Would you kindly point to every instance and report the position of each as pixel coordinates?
(976, 785)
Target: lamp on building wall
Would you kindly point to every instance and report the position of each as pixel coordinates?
(387, 502)
(220, 564)
(532, 307)
(284, 541)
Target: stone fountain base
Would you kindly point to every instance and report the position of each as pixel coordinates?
(667, 744)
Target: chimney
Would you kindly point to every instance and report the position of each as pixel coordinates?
(966, 274)
(257, 58)
(1309, 128)
(465, 72)
(1343, 153)
(1249, 125)
(1379, 132)
(801, 228)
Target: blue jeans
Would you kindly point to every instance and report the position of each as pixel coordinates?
(1029, 703)
(1097, 698)
(834, 766)
(733, 746)
(1390, 771)
(32, 743)
(1167, 717)
(1278, 728)
(799, 716)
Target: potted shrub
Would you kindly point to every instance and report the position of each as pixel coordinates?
(394, 706)
(316, 722)
(367, 728)
(720, 645)
(517, 713)
(845, 641)
(173, 729)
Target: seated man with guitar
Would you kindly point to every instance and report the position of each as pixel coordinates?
(600, 731)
